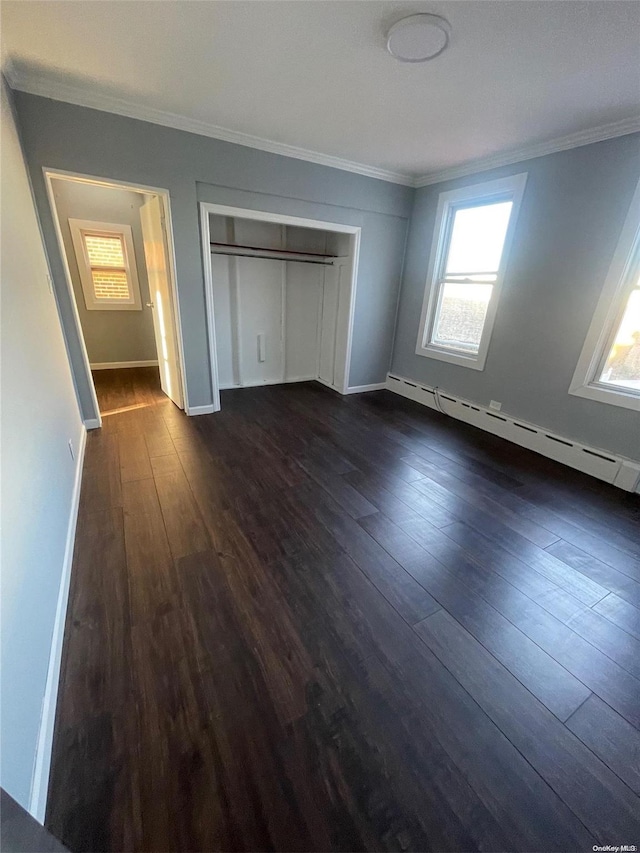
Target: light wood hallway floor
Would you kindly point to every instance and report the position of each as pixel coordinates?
(127, 388)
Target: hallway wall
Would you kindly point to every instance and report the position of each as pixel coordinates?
(110, 336)
(39, 417)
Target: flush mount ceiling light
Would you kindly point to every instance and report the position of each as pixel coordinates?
(418, 37)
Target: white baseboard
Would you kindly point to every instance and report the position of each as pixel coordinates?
(628, 477)
(117, 365)
(275, 382)
(200, 410)
(617, 470)
(360, 389)
(93, 423)
(42, 764)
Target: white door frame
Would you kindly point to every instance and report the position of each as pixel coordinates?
(207, 208)
(109, 183)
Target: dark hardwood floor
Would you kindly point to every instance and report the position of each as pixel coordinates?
(312, 622)
(21, 833)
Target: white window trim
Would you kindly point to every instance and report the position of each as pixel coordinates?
(81, 226)
(584, 383)
(511, 187)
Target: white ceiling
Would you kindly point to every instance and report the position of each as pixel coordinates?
(316, 75)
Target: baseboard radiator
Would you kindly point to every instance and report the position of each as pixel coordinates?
(617, 470)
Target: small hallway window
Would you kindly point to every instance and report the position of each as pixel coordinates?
(106, 263)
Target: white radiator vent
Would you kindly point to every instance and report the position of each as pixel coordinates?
(617, 470)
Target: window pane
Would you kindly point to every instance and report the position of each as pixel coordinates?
(477, 238)
(485, 278)
(622, 366)
(111, 284)
(104, 251)
(460, 318)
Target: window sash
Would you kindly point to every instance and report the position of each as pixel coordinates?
(109, 269)
(111, 300)
(468, 277)
(471, 204)
(508, 189)
(609, 342)
(630, 283)
(444, 278)
(95, 297)
(468, 350)
(113, 236)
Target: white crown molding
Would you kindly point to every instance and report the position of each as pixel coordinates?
(528, 152)
(47, 88)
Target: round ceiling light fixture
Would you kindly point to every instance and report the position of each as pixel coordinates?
(418, 38)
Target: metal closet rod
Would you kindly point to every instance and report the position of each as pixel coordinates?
(308, 257)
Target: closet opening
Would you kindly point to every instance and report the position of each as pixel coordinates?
(115, 241)
(280, 298)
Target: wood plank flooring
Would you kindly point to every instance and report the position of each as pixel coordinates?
(312, 622)
(21, 833)
(128, 388)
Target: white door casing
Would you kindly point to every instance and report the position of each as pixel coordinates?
(156, 256)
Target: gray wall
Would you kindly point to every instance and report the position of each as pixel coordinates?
(39, 416)
(62, 136)
(109, 335)
(574, 206)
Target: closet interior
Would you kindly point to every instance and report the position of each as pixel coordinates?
(281, 297)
